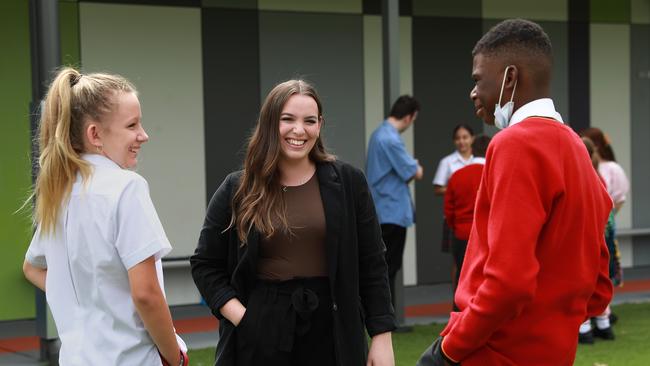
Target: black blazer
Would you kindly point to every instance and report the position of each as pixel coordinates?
(222, 268)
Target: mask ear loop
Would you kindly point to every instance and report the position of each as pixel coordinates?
(503, 84)
(513, 91)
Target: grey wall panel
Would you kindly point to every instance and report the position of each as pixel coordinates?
(641, 251)
(558, 32)
(640, 126)
(579, 97)
(326, 49)
(640, 135)
(159, 49)
(231, 88)
(442, 68)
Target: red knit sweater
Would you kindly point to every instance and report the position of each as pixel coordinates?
(536, 264)
(460, 197)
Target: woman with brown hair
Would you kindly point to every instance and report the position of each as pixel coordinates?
(615, 181)
(290, 257)
(98, 242)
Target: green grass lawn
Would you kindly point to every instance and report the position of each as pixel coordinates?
(631, 347)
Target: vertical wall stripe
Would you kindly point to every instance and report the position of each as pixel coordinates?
(69, 33)
(409, 267)
(579, 97)
(640, 133)
(610, 95)
(373, 90)
(231, 85)
(15, 151)
(442, 82)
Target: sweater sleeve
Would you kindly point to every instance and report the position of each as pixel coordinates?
(603, 293)
(374, 290)
(210, 260)
(519, 193)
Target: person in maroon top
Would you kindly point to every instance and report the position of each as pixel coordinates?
(460, 197)
(536, 264)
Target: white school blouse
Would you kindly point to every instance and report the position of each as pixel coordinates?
(448, 166)
(104, 229)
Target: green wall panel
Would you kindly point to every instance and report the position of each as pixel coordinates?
(15, 176)
(608, 11)
(529, 9)
(317, 6)
(640, 11)
(69, 33)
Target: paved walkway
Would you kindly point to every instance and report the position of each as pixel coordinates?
(423, 305)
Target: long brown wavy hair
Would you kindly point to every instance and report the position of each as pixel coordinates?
(601, 142)
(258, 202)
(71, 100)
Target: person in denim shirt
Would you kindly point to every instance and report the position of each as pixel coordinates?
(390, 168)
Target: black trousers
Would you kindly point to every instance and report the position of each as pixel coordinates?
(395, 238)
(458, 249)
(287, 323)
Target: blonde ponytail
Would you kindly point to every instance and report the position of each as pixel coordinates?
(70, 101)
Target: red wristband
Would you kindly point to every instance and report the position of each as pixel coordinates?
(185, 360)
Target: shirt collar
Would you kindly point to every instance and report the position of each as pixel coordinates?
(460, 159)
(540, 107)
(100, 160)
(390, 127)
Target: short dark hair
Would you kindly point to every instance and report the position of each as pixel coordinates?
(404, 106)
(463, 126)
(480, 145)
(518, 36)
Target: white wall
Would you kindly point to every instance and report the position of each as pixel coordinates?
(374, 105)
(168, 75)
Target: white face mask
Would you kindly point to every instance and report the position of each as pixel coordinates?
(503, 114)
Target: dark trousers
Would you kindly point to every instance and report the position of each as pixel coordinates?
(287, 323)
(394, 237)
(458, 248)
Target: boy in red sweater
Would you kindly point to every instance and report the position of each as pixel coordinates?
(536, 264)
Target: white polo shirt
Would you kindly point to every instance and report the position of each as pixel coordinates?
(105, 229)
(448, 166)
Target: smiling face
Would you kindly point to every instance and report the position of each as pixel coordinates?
(121, 132)
(487, 74)
(463, 140)
(299, 127)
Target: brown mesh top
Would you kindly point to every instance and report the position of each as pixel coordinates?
(301, 253)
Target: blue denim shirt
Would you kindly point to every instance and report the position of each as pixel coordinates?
(389, 168)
